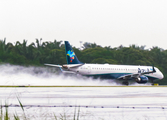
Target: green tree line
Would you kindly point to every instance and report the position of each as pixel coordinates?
(37, 53)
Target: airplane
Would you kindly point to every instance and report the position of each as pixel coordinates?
(125, 73)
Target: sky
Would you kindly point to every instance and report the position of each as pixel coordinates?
(104, 22)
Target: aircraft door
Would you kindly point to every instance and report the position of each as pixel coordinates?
(89, 69)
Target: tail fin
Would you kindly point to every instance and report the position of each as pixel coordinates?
(70, 55)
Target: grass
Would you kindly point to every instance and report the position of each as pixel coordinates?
(4, 115)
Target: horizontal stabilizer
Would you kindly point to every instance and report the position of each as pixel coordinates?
(72, 65)
(52, 65)
(66, 72)
(65, 66)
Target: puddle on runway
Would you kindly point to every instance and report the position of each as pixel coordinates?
(122, 103)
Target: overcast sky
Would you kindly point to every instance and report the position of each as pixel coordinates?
(105, 22)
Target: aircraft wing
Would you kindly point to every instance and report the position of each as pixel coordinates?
(136, 75)
(126, 77)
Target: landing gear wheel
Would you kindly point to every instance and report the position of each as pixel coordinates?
(125, 83)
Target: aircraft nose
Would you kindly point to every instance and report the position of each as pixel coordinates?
(161, 76)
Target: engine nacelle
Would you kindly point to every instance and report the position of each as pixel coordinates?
(142, 79)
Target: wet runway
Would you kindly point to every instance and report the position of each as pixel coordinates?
(86, 103)
(93, 103)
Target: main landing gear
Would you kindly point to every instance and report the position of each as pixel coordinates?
(125, 83)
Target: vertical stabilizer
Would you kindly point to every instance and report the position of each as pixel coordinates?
(70, 55)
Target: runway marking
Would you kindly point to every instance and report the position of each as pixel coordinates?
(86, 106)
(71, 86)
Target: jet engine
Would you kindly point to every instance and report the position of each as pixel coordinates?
(142, 79)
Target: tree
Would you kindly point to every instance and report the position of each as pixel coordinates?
(40, 52)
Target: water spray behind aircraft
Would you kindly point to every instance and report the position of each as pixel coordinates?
(20, 75)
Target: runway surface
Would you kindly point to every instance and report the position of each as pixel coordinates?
(118, 103)
(89, 103)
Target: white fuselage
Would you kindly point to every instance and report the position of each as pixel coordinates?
(115, 71)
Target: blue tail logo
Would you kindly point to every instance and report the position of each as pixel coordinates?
(70, 55)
